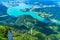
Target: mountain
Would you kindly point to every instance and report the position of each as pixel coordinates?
(38, 2)
(26, 27)
(3, 8)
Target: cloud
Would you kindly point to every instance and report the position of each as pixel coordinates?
(49, 5)
(23, 6)
(54, 20)
(3, 15)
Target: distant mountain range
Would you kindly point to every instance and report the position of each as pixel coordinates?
(38, 2)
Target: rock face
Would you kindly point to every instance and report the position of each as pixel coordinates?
(10, 37)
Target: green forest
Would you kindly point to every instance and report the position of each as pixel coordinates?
(30, 29)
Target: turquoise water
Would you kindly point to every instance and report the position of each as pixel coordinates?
(17, 13)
